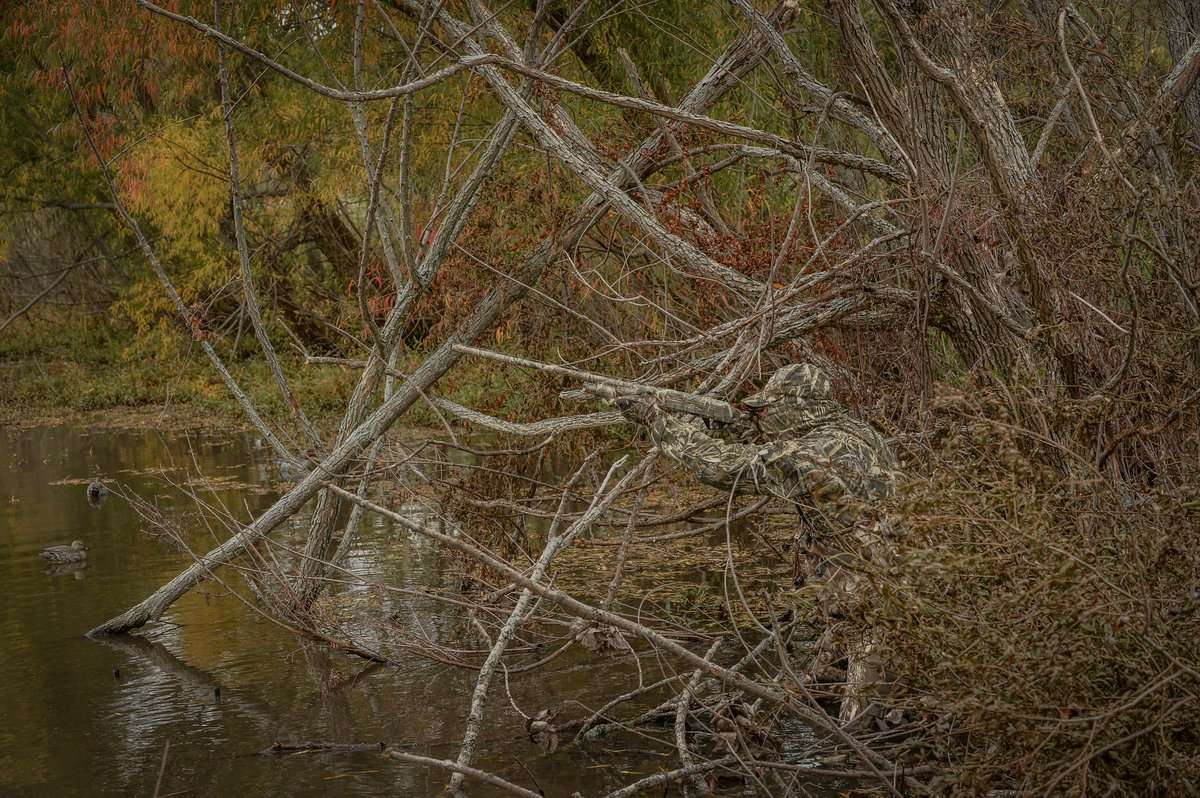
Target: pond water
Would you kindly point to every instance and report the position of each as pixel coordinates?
(84, 717)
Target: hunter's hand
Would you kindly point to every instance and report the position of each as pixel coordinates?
(638, 409)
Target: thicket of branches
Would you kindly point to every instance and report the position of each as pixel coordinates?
(981, 220)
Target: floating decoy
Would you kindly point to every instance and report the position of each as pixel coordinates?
(76, 552)
(96, 492)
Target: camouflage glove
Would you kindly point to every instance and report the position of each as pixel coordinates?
(637, 409)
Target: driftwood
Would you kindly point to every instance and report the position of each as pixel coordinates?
(280, 747)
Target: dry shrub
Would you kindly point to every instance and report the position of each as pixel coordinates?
(1043, 621)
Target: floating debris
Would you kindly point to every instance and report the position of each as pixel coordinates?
(96, 493)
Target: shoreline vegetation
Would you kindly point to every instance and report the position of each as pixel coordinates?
(72, 371)
(977, 219)
(1077, 589)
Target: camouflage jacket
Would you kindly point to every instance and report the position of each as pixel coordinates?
(830, 464)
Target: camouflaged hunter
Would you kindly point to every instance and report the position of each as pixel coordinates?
(831, 465)
(834, 468)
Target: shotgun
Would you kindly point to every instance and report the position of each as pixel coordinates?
(612, 387)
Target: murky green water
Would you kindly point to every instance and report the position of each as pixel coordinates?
(79, 717)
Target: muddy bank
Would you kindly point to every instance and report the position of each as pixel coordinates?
(166, 417)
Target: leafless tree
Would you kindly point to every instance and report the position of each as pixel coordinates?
(954, 208)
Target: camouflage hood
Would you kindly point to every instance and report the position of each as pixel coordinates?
(801, 382)
(796, 399)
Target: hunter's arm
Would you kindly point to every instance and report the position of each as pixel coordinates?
(714, 462)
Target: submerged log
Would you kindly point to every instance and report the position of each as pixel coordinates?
(280, 747)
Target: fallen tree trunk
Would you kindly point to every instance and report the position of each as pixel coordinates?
(741, 56)
(370, 430)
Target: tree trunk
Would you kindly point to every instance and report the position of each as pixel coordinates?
(1183, 26)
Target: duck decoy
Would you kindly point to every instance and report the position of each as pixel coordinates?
(76, 552)
(96, 493)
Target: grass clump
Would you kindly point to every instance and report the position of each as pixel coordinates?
(1042, 620)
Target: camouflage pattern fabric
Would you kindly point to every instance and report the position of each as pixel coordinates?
(834, 467)
(830, 464)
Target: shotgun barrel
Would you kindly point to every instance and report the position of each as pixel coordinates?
(612, 387)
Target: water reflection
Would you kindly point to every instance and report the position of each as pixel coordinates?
(75, 569)
(216, 680)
